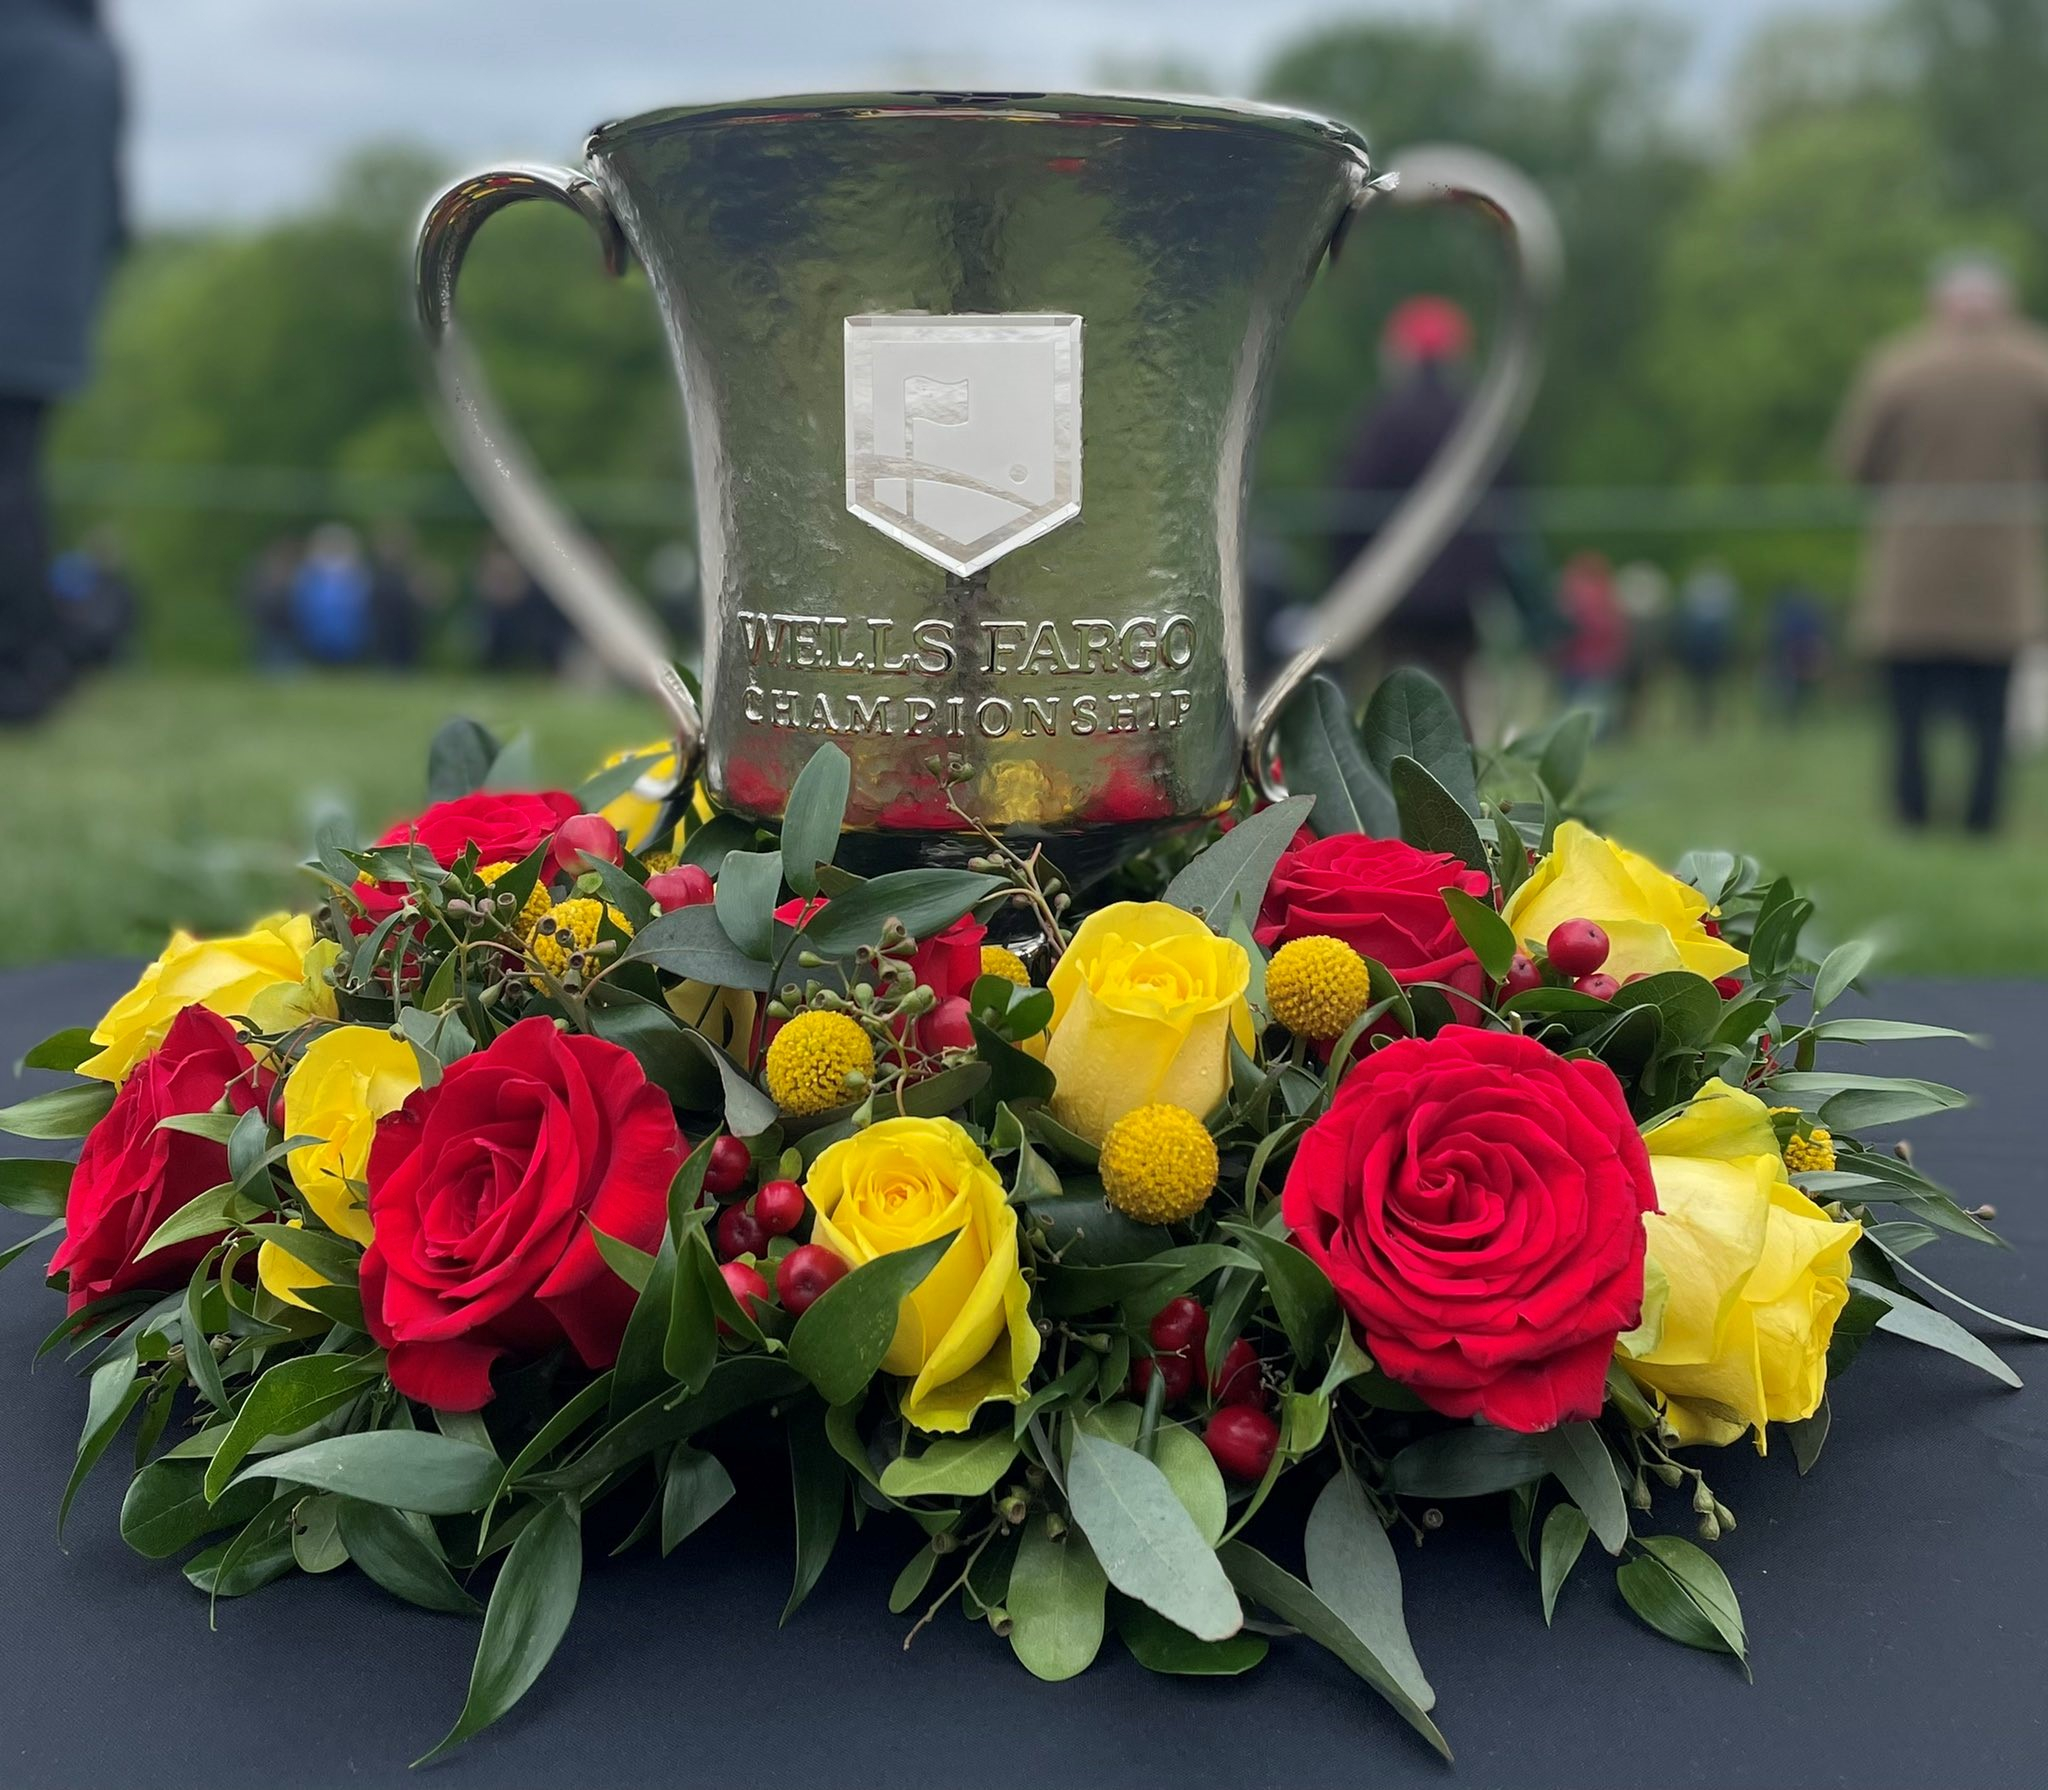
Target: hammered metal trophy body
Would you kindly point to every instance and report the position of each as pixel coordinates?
(973, 387)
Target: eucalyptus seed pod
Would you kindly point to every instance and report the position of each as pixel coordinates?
(1709, 1529)
(1670, 1472)
(1702, 1499)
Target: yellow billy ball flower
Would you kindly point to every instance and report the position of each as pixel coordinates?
(1812, 1154)
(810, 1059)
(537, 899)
(1317, 986)
(1158, 1164)
(565, 932)
(996, 961)
(658, 861)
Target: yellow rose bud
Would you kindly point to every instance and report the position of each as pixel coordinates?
(1652, 920)
(1746, 1276)
(964, 1337)
(274, 976)
(1145, 1002)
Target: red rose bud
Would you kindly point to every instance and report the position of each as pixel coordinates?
(1176, 1370)
(1600, 985)
(687, 885)
(1243, 1441)
(780, 1207)
(1238, 1379)
(1727, 987)
(746, 1285)
(740, 1233)
(1523, 975)
(803, 1276)
(586, 836)
(946, 1027)
(731, 1162)
(1179, 1324)
(1576, 947)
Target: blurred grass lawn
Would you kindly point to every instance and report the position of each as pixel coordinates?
(153, 800)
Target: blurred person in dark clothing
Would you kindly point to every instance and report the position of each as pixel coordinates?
(1704, 640)
(1796, 651)
(96, 607)
(1425, 349)
(60, 229)
(398, 597)
(519, 628)
(1593, 654)
(267, 603)
(1952, 581)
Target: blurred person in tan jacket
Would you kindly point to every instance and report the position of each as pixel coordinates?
(1949, 426)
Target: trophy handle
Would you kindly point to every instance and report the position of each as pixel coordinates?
(1383, 571)
(495, 463)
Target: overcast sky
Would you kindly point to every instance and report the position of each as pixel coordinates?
(242, 107)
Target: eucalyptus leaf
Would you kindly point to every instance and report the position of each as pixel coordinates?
(1922, 1324)
(953, 1466)
(812, 816)
(1352, 1568)
(1159, 1646)
(1321, 756)
(925, 901)
(1056, 1602)
(1839, 969)
(748, 884)
(459, 759)
(1409, 716)
(1144, 1538)
(1239, 864)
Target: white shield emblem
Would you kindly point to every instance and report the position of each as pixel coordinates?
(963, 434)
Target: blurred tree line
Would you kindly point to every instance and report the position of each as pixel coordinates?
(1725, 279)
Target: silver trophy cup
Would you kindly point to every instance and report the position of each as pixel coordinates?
(973, 386)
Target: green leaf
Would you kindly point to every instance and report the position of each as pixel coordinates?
(956, 1467)
(1181, 1455)
(529, 1612)
(1087, 1232)
(819, 1487)
(62, 1051)
(1158, 1646)
(1681, 1591)
(1056, 1601)
(813, 815)
(1070, 1292)
(407, 1469)
(1239, 864)
(250, 1560)
(1492, 939)
(628, 1261)
(1838, 969)
(1409, 716)
(911, 1581)
(200, 1361)
(35, 1185)
(839, 1343)
(1564, 1536)
(1809, 1435)
(216, 1210)
(1144, 1538)
(1861, 1102)
(694, 1489)
(1352, 1568)
(316, 1534)
(926, 901)
(166, 1508)
(639, 1373)
(1433, 819)
(62, 1112)
(459, 760)
(1885, 1031)
(693, 943)
(1922, 1324)
(1563, 761)
(1576, 1454)
(1294, 1603)
(1303, 1299)
(1321, 756)
(748, 884)
(113, 1392)
(1466, 1463)
(401, 1554)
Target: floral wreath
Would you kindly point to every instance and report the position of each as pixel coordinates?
(1419, 1142)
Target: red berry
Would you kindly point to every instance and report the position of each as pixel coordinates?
(1238, 1380)
(687, 885)
(803, 1275)
(1242, 1440)
(946, 1026)
(780, 1207)
(1727, 987)
(1600, 985)
(1711, 927)
(1522, 976)
(586, 836)
(746, 1285)
(731, 1162)
(1576, 947)
(740, 1233)
(1176, 1370)
(1180, 1324)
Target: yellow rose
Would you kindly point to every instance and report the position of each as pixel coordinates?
(1752, 1276)
(965, 1337)
(1652, 920)
(273, 976)
(1145, 1001)
(346, 1080)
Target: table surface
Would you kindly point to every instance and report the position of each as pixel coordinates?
(1897, 1600)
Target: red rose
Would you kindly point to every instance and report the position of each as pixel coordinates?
(947, 963)
(505, 828)
(1384, 899)
(132, 1176)
(483, 1190)
(1478, 1204)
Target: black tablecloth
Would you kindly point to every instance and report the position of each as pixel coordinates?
(1897, 1600)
